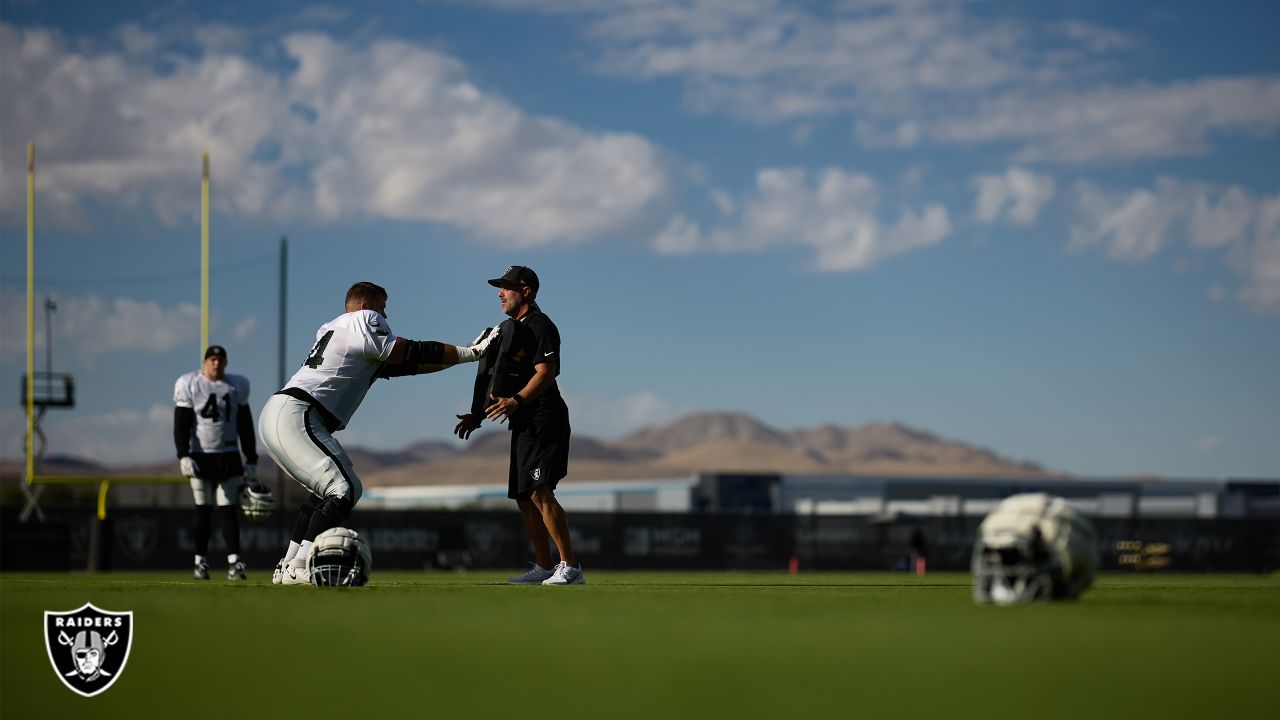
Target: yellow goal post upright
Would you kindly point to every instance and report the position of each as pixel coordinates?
(30, 390)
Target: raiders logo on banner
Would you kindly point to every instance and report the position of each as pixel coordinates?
(88, 646)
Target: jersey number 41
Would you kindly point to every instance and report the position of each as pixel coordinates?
(210, 409)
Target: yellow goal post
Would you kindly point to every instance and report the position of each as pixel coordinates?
(104, 482)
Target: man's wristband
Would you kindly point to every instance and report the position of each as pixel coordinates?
(519, 400)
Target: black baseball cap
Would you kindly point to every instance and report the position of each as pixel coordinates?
(215, 351)
(517, 275)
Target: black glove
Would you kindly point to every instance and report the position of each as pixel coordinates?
(467, 424)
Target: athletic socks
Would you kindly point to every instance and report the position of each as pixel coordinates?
(301, 558)
(204, 527)
(230, 520)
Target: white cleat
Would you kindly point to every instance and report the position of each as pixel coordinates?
(536, 575)
(236, 571)
(278, 573)
(566, 574)
(295, 575)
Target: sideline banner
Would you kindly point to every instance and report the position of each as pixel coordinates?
(161, 538)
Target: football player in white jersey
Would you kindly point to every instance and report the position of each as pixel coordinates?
(211, 414)
(297, 424)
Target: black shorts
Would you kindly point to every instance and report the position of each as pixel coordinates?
(216, 467)
(539, 455)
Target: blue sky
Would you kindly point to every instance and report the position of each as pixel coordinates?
(1049, 229)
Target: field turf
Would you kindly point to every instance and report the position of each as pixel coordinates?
(722, 645)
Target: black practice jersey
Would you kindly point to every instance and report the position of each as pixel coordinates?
(522, 345)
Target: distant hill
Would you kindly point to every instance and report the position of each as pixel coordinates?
(701, 442)
(723, 442)
(701, 429)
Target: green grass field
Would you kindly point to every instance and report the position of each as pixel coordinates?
(866, 645)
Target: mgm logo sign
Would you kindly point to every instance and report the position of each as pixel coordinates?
(88, 646)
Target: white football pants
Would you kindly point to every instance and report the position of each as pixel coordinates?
(223, 492)
(297, 440)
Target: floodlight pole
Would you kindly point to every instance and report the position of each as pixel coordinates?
(280, 350)
(31, 313)
(204, 254)
(284, 288)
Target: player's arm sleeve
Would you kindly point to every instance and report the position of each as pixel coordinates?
(248, 441)
(404, 369)
(417, 357)
(184, 419)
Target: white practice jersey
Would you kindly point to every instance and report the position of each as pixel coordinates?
(216, 403)
(348, 352)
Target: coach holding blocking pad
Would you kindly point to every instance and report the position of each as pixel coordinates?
(518, 383)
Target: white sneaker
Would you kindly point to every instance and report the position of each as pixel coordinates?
(295, 575)
(277, 575)
(535, 576)
(236, 571)
(566, 574)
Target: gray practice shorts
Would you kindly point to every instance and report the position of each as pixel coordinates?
(297, 440)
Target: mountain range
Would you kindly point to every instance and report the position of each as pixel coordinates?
(701, 442)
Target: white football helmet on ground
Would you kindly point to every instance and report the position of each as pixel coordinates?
(1033, 547)
(339, 557)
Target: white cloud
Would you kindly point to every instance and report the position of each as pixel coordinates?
(1259, 260)
(724, 201)
(1131, 227)
(243, 329)
(1016, 196)
(1116, 123)
(1210, 444)
(776, 61)
(390, 130)
(936, 71)
(1216, 224)
(681, 236)
(833, 212)
(1095, 37)
(1135, 225)
(611, 416)
(121, 437)
(86, 327)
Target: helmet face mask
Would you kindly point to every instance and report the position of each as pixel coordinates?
(337, 568)
(1008, 570)
(339, 557)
